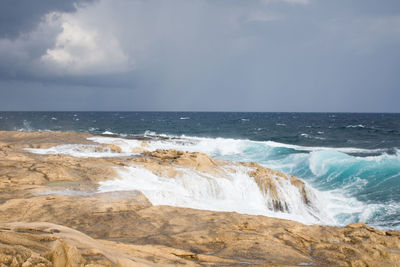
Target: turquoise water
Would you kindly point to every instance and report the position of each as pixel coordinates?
(349, 156)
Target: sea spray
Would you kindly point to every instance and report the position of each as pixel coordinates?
(235, 191)
(347, 183)
(80, 151)
(360, 165)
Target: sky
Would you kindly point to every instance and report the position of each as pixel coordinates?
(200, 55)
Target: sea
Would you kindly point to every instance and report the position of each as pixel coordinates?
(350, 161)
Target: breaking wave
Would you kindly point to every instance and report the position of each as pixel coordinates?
(346, 188)
(235, 192)
(354, 188)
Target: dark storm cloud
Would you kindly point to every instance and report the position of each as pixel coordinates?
(237, 55)
(19, 16)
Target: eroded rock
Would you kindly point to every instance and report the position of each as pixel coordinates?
(85, 228)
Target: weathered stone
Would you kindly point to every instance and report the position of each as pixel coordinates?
(124, 229)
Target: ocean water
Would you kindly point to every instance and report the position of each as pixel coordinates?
(351, 162)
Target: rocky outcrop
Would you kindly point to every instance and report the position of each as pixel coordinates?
(40, 227)
(176, 236)
(28, 139)
(190, 160)
(269, 182)
(23, 169)
(48, 245)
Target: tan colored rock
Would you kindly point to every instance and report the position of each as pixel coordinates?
(46, 244)
(110, 147)
(267, 180)
(124, 229)
(191, 160)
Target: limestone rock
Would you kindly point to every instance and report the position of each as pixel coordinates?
(191, 160)
(268, 181)
(51, 215)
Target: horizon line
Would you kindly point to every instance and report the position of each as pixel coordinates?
(165, 111)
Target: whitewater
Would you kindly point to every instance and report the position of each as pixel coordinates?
(325, 168)
(350, 162)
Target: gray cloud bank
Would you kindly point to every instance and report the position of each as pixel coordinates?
(18, 16)
(202, 55)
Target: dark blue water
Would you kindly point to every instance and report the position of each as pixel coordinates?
(355, 156)
(369, 131)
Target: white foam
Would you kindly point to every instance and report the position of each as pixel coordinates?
(26, 127)
(108, 132)
(355, 126)
(311, 136)
(79, 151)
(346, 210)
(218, 146)
(236, 192)
(349, 150)
(149, 133)
(126, 145)
(331, 207)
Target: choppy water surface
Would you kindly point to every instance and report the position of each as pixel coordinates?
(352, 160)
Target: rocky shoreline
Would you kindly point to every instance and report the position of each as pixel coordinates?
(39, 227)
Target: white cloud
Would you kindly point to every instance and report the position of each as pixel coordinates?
(188, 52)
(65, 44)
(82, 50)
(109, 37)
